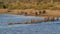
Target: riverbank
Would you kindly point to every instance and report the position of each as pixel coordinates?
(31, 12)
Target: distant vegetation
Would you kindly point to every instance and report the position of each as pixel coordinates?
(30, 4)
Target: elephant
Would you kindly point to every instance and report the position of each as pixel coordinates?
(43, 12)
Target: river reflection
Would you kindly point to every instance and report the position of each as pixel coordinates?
(38, 28)
(5, 18)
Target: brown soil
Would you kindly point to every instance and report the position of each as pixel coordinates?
(31, 12)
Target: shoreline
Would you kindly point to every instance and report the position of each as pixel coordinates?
(31, 12)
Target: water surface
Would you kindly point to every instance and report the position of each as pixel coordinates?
(38, 28)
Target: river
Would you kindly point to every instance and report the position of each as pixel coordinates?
(52, 27)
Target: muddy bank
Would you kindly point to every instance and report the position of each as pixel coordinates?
(31, 12)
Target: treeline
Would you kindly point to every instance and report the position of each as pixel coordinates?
(28, 4)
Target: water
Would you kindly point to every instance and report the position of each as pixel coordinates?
(38, 28)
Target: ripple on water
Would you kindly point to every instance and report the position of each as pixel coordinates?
(4, 18)
(38, 28)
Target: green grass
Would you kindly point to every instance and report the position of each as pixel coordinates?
(44, 6)
(38, 7)
(1, 4)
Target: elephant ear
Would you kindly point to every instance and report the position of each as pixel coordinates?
(44, 11)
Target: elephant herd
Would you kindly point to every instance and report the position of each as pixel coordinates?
(52, 18)
(40, 12)
(36, 13)
(32, 13)
(46, 19)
